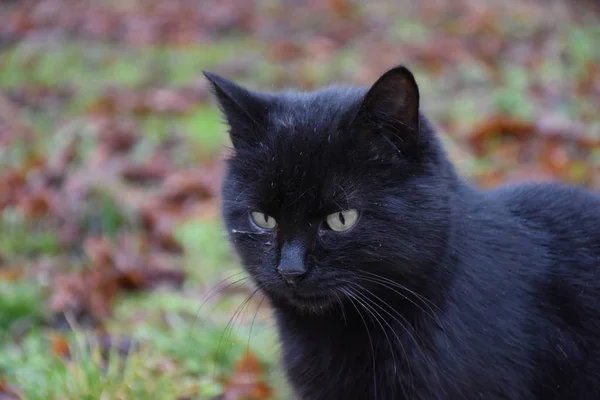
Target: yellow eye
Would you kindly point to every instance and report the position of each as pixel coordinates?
(263, 220)
(342, 220)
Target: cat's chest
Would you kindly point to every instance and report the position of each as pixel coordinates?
(348, 362)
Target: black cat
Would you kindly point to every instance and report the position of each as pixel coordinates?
(390, 276)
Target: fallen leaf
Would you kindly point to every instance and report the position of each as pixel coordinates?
(11, 274)
(248, 381)
(9, 391)
(554, 156)
(99, 251)
(35, 205)
(498, 126)
(112, 270)
(59, 345)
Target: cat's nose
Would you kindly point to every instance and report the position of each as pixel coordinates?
(291, 266)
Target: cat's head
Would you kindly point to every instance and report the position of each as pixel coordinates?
(326, 191)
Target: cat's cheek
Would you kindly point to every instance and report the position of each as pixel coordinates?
(269, 243)
(332, 241)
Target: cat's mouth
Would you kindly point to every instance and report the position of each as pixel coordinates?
(311, 304)
(313, 301)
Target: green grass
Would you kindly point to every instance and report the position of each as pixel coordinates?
(181, 350)
(185, 347)
(17, 238)
(86, 375)
(204, 126)
(21, 304)
(94, 65)
(207, 253)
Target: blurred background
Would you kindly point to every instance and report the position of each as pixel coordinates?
(116, 280)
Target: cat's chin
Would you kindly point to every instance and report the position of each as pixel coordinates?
(317, 304)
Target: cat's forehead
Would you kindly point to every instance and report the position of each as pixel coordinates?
(308, 169)
(308, 160)
(314, 112)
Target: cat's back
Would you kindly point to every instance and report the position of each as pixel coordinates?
(565, 219)
(565, 212)
(565, 224)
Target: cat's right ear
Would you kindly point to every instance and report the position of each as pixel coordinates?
(244, 110)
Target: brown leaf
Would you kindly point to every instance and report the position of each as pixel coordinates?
(88, 293)
(490, 179)
(8, 391)
(554, 156)
(144, 174)
(341, 8)
(21, 22)
(59, 345)
(68, 155)
(117, 137)
(248, 381)
(498, 126)
(284, 50)
(142, 102)
(170, 101)
(92, 292)
(12, 185)
(99, 251)
(567, 131)
(11, 274)
(35, 205)
(150, 278)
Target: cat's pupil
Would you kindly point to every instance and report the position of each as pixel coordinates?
(342, 219)
(266, 217)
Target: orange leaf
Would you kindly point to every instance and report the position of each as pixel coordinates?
(247, 382)
(498, 125)
(11, 274)
(59, 345)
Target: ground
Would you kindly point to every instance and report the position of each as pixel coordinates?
(116, 279)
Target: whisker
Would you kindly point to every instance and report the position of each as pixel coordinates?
(408, 331)
(303, 193)
(231, 322)
(214, 291)
(386, 282)
(370, 342)
(220, 289)
(252, 324)
(424, 299)
(433, 315)
(383, 278)
(339, 301)
(376, 313)
(241, 193)
(236, 231)
(345, 194)
(374, 303)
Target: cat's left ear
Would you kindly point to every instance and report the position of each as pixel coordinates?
(392, 104)
(246, 111)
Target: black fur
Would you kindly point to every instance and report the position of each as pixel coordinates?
(440, 291)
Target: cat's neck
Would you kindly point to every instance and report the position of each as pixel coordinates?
(363, 341)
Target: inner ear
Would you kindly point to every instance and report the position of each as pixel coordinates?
(246, 111)
(392, 101)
